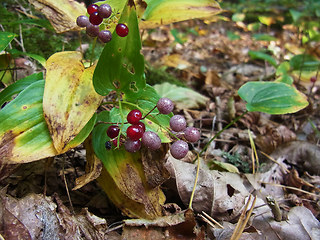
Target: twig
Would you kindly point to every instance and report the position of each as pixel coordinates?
(243, 220)
(292, 188)
(206, 216)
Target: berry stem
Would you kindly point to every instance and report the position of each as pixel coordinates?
(92, 51)
(195, 182)
(121, 115)
(149, 112)
(205, 148)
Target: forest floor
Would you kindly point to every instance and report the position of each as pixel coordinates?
(211, 59)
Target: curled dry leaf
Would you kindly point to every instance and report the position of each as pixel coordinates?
(93, 166)
(39, 217)
(178, 226)
(220, 194)
(272, 137)
(304, 155)
(305, 226)
(62, 14)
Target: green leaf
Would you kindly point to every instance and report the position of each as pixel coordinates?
(232, 36)
(36, 57)
(84, 133)
(121, 65)
(18, 86)
(285, 78)
(181, 96)
(24, 135)
(304, 62)
(5, 39)
(154, 122)
(124, 180)
(263, 37)
(295, 15)
(263, 56)
(223, 167)
(272, 97)
(238, 17)
(162, 12)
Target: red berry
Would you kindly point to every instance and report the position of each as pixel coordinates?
(134, 132)
(92, 8)
(313, 79)
(95, 19)
(122, 30)
(134, 116)
(141, 124)
(113, 131)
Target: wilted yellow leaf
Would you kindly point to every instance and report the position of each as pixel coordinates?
(169, 11)
(62, 14)
(69, 99)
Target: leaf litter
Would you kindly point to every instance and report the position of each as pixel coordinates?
(213, 66)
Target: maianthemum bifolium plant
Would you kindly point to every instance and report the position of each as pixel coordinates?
(49, 117)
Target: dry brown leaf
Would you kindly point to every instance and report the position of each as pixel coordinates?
(220, 194)
(38, 217)
(178, 226)
(62, 14)
(93, 166)
(273, 136)
(300, 225)
(153, 165)
(304, 155)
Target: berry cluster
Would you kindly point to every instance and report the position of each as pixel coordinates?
(137, 134)
(96, 16)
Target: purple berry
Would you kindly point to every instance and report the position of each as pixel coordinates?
(105, 36)
(178, 123)
(92, 30)
(82, 21)
(151, 140)
(179, 149)
(313, 79)
(132, 146)
(191, 134)
(104, 10)
(165, 105)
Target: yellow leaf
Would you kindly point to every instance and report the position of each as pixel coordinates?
(176, 61)
(62, 14)
(69, 99)
(169, 11)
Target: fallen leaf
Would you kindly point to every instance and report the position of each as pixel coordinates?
(62, 14)
(177, 226)
(175, 61)
(181, 96)
(220, 194)
(304, 155)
